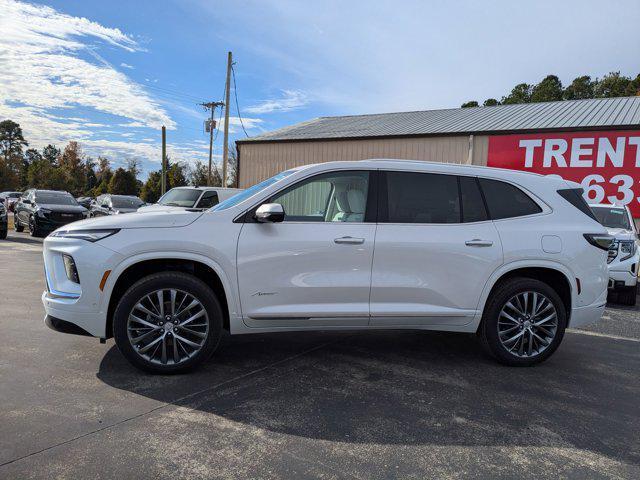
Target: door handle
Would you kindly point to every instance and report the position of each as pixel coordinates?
(349, 240)
(476, 242)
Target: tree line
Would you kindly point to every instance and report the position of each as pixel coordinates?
(71, 170)
(550, 89)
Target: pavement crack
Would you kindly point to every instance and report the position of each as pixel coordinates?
(173, 402)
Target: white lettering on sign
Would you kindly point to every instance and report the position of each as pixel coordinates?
(529, 146)
(605, 149)
(555, 149)
(578, 150)
(605, 163)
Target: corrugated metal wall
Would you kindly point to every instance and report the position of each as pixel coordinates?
(262, 160)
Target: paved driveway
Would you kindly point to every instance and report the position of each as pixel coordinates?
(322, 405)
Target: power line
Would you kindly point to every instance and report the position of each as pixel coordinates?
(235, 94)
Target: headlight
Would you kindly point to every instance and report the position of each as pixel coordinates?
(627, 249)
(88, 235)
(70, 268)
(43, 211)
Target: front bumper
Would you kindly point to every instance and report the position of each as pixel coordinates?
(83, 305)
(50, 224)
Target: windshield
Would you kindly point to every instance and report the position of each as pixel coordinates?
(55, 199)
(180, 197)
(612, 217)
(126, 202)
(249, 192)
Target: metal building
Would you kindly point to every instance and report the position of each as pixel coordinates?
(576, 139)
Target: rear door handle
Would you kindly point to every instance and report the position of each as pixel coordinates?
(349, 240)
(476, 242)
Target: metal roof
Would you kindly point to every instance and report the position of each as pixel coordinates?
(569, 114)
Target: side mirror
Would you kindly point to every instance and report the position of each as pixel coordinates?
(269, 213)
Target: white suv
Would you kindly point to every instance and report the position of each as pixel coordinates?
(374, 244)
(623, 255)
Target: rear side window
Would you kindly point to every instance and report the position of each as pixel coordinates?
(575, 198)
(420, 198)
(208, 200)
(473, 209)
(507, 201)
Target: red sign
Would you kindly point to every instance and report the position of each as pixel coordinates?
(607, 164)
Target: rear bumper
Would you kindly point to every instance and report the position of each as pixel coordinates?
(581, 316)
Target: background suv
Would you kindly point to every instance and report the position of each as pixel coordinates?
(513, 256)
(109, 204)
(623, 256)
(10, 199)
(45, 210)
(181, 198)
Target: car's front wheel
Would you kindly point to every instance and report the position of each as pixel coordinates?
(523, 322)
(168, 322)
(34, 230)
(17, 225)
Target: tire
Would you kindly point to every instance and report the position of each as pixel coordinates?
(16, 225)
(498, 328)
(148, 358)
(627, 296)
(33, 227)
(3, 233)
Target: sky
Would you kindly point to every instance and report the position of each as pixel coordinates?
(109, 74)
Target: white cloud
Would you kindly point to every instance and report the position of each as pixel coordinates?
(126, 65)
(48, 64)
(289, 100)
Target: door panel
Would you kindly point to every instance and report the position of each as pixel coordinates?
(429, 275)
(305, 274)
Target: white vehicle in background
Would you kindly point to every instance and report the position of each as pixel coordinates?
(624, 256)
(512, 256)
(182, 198)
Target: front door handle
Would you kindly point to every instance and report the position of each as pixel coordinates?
(476, 242)
(349, 240)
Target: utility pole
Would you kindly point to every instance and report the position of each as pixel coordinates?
(164, 160)
(212, 126)
(225, 151)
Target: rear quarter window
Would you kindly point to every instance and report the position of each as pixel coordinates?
(507, 201)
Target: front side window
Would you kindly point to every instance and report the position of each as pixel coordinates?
(420, 198)
(208, 200)
(507, 201)
(329, 197)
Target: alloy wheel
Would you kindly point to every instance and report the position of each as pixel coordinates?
(527, 324)
(168, 326)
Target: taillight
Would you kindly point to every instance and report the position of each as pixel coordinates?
(600, 240)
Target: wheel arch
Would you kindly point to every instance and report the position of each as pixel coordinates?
(557, 276)
(133, 269)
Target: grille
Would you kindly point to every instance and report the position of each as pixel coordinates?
(62, 217)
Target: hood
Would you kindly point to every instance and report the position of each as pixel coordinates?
(621, 233)
(62, 208)
(156, 207)
(160, 219)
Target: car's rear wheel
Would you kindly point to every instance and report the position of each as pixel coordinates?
(3, 233)
(16, 224)
(523, 322)
(168, 322)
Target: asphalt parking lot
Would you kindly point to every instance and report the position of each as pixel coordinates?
(324, 405)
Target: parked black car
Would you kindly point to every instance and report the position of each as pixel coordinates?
(3, 219)
(42, 211)
(108, 204)
(85, 201)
